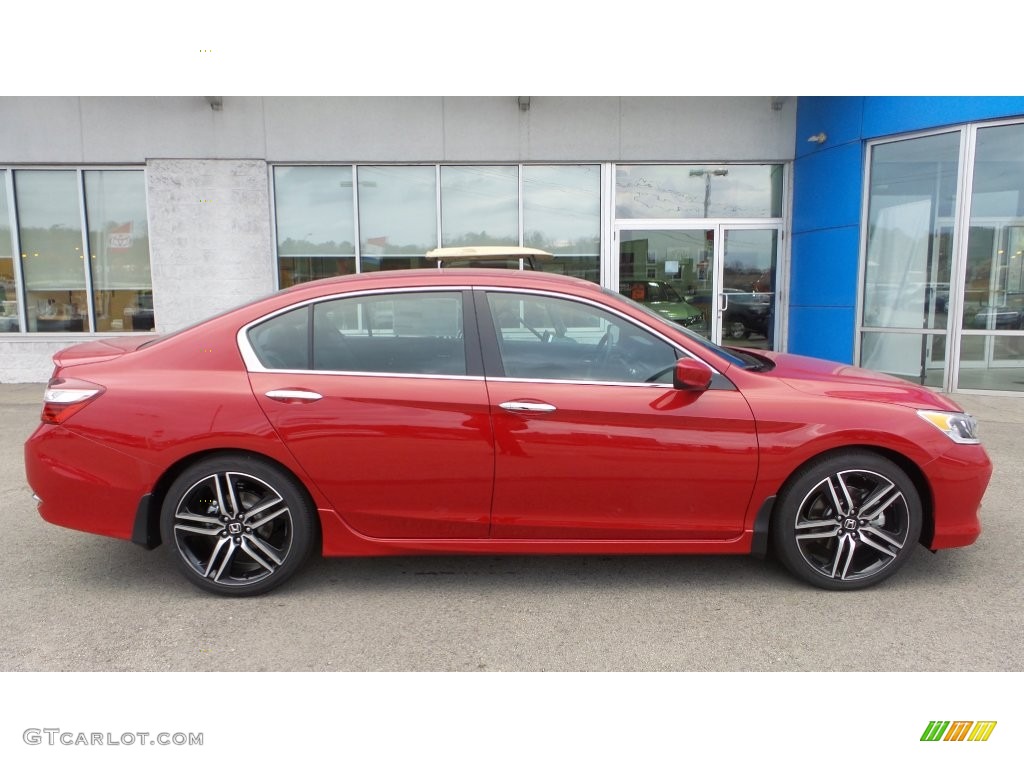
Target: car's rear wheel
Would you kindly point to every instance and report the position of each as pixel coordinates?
(847, 521)
(237, 524)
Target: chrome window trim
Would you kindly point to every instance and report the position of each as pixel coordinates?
(253, 365)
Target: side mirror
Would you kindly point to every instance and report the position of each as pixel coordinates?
(690, 375)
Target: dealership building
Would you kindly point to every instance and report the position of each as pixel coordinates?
(886, 232)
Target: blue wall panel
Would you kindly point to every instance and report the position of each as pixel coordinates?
(827, 188)
(823, 332)
(885, 115)
(838, 117)
(828, 276)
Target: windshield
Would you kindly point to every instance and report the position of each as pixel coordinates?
(729, 356)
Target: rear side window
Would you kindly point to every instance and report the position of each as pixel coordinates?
(419, 333)
(283, 341)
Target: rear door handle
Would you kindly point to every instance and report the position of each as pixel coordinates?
(520, 406)
(294, 395)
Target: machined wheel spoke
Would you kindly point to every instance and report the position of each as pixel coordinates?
(198, 530)
(252, 553)
(267, 549)
(236, 508)
(847, 543)
(845, 489)
(226, 561)
(837, 506)
(247, 518)
(213, 557)
(222, 504)
(809, 525)
(194, 518)
(867, 540)
(879, 501)
(882, 535)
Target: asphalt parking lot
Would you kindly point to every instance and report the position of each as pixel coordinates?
(75, 601)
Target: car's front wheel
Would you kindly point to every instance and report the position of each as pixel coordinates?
(237, 525)
(847, 521)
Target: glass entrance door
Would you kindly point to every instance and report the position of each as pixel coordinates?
(672, 271)
(718, 281)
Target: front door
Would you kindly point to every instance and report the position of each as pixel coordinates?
(592, 442)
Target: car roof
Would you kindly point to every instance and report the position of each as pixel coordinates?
(460, 276)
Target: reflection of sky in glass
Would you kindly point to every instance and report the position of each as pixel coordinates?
(480, 205)
(47, 199)
(682, 191)
(6, 244)
(562, 207)
(999, 172)
(397, 209)
(314, 209)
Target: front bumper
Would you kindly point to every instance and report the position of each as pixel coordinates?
(958, 480)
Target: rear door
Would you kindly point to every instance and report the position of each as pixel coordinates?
(381, 399)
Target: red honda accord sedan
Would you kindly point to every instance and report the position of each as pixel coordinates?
(490, 411)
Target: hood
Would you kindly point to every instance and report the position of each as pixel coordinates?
(823, 377)
(98, 350)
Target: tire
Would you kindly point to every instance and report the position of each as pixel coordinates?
(847, 521)
(737, 330)
(237, 525)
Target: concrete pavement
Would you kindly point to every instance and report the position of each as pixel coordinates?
(74, 601)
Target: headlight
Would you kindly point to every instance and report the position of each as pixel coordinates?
(959, 427)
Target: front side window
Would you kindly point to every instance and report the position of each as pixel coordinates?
(542, 337)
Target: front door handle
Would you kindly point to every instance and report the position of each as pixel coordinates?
(294, 395)
(520, 406)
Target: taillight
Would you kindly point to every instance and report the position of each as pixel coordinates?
(65, 397)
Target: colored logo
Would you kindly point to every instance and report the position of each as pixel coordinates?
(958, 730)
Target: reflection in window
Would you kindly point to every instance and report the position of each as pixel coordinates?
(479, 205)
(419, 333)
(546, 338)
(990, 362)
(994, 290)
(119, 250)
(53, 263)
(912, 198)
(917, 357)
(8, 290)
(315, 222)
(694, 192)
(562, 214)
(397, 216)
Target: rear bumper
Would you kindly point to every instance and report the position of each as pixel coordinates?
(101, 498)
(959, 479)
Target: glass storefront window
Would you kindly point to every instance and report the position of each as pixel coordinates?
(479, 205)
(315, 222)
(994, 288)
(8, 289)
(562, 215)
(53, 262)
(115, 203)
(698, 191)
(397, 216)
(909, 246)
(917, 357)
